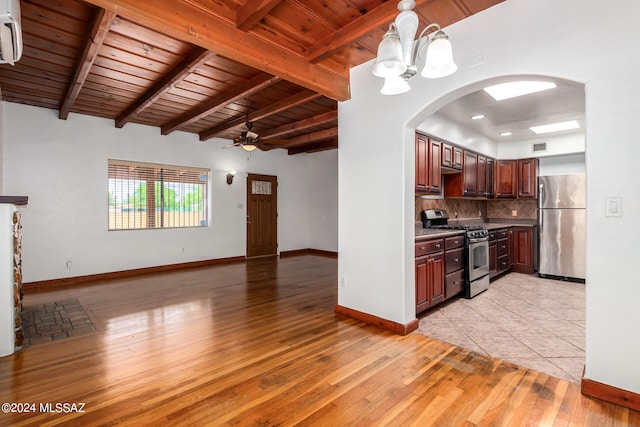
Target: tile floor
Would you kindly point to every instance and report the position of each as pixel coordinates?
(533, 322)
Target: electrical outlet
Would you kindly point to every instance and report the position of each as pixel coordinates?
(343, 282)
(68, 262)
(514, 213)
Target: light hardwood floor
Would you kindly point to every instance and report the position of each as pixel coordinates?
(259, 344)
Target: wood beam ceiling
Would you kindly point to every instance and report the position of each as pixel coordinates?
(99, 31)
(238, 92)
(252, 12)
(190, 21)
(188, 66)
(275, 108)
(312, 137)
(317, 120)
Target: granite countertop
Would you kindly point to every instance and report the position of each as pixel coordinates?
(425, 233)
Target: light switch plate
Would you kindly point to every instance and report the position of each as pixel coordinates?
(613, 207)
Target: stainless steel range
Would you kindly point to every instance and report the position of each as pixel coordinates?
(476, 249)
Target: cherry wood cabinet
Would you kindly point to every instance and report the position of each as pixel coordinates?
(451, 156)
(454, 266)
(489, 177)
(428, 165)
(500, 251)
(481, 181)
(463, 184)
(506, 179)
(516, 179)
(523, 249)
(430, 267)
(527, 174)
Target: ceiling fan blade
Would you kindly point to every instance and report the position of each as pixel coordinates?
(234, 144)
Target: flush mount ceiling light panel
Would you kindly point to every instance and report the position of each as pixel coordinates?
(510, 90)
(399, 50)
(555, 127)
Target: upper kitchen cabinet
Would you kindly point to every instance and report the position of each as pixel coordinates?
(506, 178)
(451, 156)
(527, 174)
(482, 183)
(464, 184)
(516, 179)
(428, 165)
(489, 176)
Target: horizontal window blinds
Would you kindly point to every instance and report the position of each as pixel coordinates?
(147, 195)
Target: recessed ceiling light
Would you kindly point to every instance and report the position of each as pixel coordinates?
(514, 89)
(555, 127)
(506, 134)
(478, 117)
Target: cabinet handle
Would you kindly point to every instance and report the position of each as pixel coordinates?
(456, 260)
(422, 248)
(437, 245)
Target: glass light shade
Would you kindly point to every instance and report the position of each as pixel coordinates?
(248, 147)
(439, 62)
(389, 61)
(395, 85)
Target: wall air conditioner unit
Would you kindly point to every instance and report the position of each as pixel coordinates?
(10, 31)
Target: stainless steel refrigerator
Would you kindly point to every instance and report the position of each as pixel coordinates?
(561, 226)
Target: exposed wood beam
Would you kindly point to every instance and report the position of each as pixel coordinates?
(92, 45)
(275, 108)
(189, 65)
(312, 148)
(381, 15)
(219, 102)
(321, 135)
(317, 120)
(252, 12)
(192, 22)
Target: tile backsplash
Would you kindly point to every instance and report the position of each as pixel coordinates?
(485, 209)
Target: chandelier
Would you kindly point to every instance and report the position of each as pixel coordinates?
(399, 50)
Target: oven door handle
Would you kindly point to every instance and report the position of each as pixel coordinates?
(478, 240)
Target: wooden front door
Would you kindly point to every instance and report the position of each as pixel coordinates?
(262, 215)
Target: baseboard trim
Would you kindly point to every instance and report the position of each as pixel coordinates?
(308, 251)
(610, 394)
(70, 281)
(398, 328)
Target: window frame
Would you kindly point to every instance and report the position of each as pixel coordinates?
(129, 180)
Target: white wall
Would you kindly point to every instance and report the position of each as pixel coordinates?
(62, 167)
(518, 37)
(442, 127)
(562, 165)
(556, 145)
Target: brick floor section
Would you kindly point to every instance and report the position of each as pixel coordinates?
(54, 321)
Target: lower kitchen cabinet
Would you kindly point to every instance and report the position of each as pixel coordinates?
(429, 265)
(523, 250)
(453, 266)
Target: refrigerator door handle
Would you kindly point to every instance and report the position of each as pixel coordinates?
(540, 212)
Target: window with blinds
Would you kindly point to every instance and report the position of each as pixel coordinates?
(147, 195)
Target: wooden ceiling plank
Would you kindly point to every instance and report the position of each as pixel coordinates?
(252, 86)
(381, 15)
(92, 45)
(192, 22)
(274, 108)
(318, 136)
(252, 12)
(317, 120)
(191, 63)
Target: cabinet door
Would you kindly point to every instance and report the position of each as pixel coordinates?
(422, 157)
(493, 258)
(523, 249)
(527, 174)
(482, 177)
(447, 155)
(506, 179)
(437, 278)
(422, 274)
(434, 166)
(457, 158)
(490, 163)
(470, 174)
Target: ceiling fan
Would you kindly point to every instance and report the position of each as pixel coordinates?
(249, 141)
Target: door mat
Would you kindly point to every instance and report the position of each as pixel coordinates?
(54, 321)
